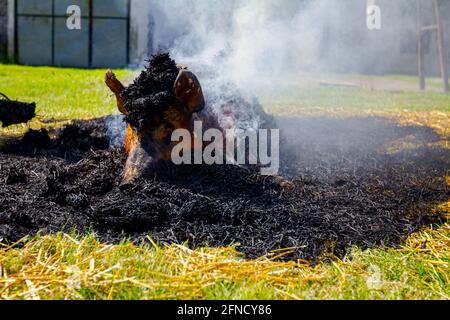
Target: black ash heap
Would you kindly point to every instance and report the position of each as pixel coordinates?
(15, 112)
(152, 91)
(349, 190)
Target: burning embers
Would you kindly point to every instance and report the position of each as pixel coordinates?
(165, 116)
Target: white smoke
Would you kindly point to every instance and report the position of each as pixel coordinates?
(248, 42)
(253, 42)
(115, 130)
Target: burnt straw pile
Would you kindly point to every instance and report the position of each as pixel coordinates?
(152, 91)
(355, 185)
(15, 112)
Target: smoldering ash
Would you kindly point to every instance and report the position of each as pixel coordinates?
(232, 147)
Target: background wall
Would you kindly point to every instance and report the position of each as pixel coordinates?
(43, 37)
(3, 29)
(291, 36)
(321, 35)
(393, 49)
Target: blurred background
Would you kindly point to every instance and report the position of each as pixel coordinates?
(325, 35)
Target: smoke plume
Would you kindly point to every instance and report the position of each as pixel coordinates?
(253, 42)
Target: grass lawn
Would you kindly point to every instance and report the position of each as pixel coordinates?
(60, 93)
(71, 266)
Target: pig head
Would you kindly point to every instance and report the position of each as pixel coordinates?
(151, 142)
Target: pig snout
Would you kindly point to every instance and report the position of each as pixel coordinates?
(143, 153)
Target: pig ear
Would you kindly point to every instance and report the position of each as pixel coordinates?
(187, 89)
(116, 87)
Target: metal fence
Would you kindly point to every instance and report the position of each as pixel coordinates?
(43, 38)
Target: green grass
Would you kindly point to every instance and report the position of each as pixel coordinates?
(79, 267)
(432, 82)
(59, 93)
(292, 98)
(71, 267)
(428, 108)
